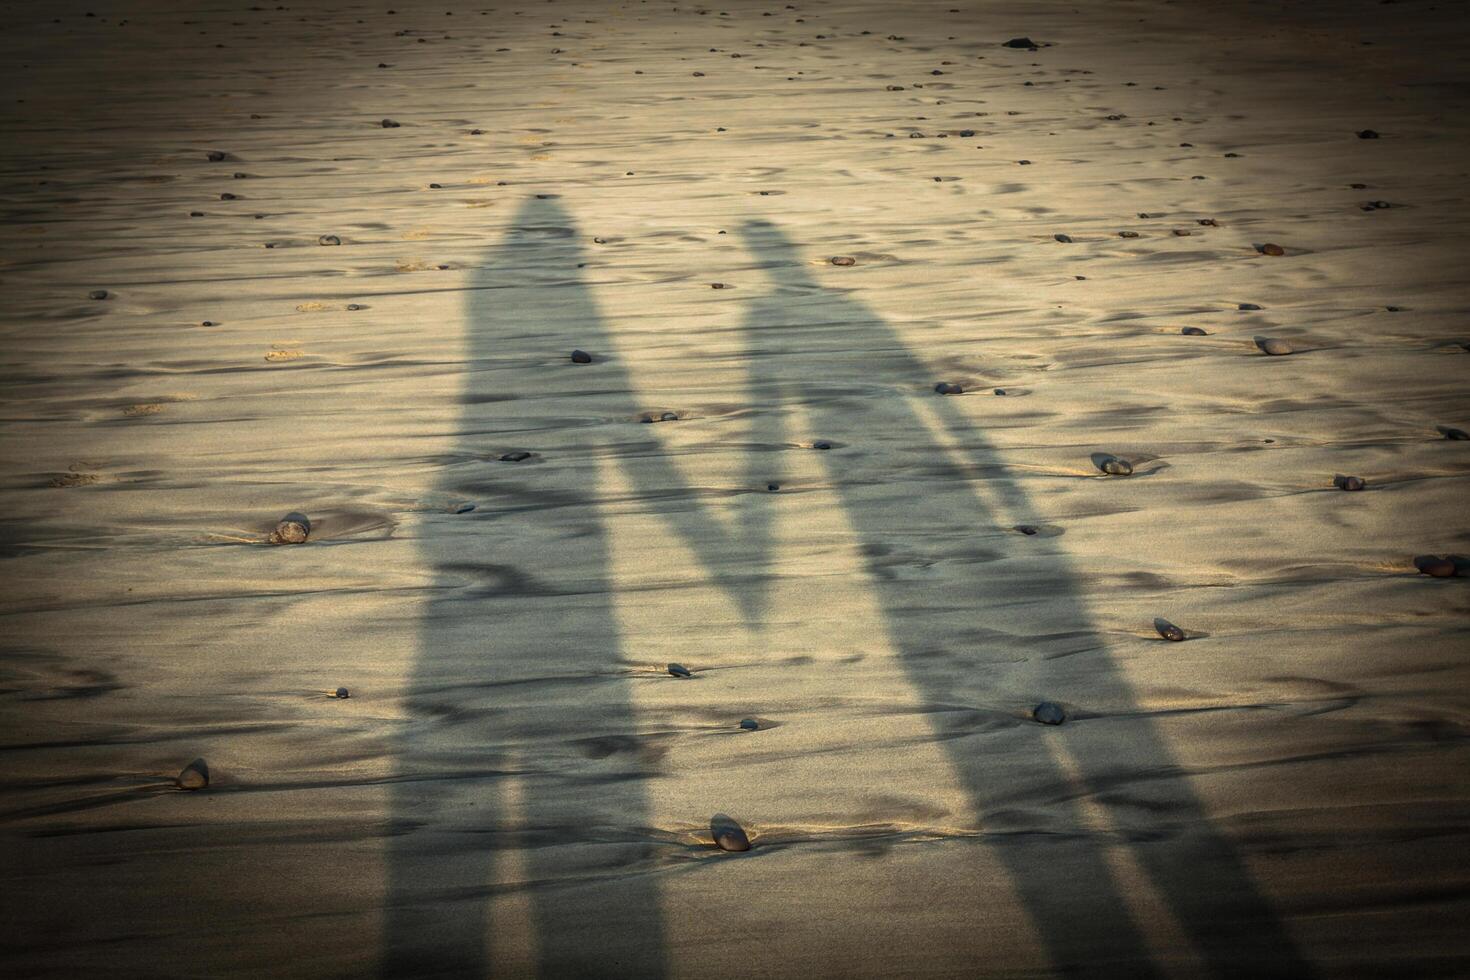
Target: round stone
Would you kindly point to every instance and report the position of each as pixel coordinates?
(1064, 239)
(821, 444)
(342, 692)
(1457, 435)
(773, 487)
(194, 776)
(1247, 306)
(97, 294)
(1028, 529)
(328, 240)
(1274, 346)
(679, 670)
(515, 457)
(1271, 248)
(1168, 630)
(1436, 566)
(728, 835)
(1116, 466)
(581, 357)
(1348, 483)
(1049, 713)
(215, 156)
(1367, 134)
(750, 724)
(292, 529)
(389, 124)
(843, 260)
(1193, 332)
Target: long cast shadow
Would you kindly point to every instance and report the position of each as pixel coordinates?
(519, 810)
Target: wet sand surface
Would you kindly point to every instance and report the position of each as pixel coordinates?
(344, 254)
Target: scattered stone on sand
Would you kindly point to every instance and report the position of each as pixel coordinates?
(669, 417)
(1271, 248)
(1193, 332)
(1028, 529)
(718, 285)
(194, 776)
(1115, 466)
(679, 670)
(1127, 234)
(1020, 42)
(1273, 345)
(750, 724)
(1450, 432)
(515, 457)
(292, 529)
(355, 306)
(1247, 306)
(581, 357)
(1183, 232)
(462, 508)
(999, 391)
(227, 196)
(328, 240)
(342, 693)
(1049, 713)
(945, 388)
(1064, 239)
(821, 444)
(1367, 134)
(1168, 630)
(1376, 205)
(728, 834)
(1436, 566)
(1348, 482)
(1207, 222)
(843, 260)
(215, 156)
(98, 294)
(389, 124)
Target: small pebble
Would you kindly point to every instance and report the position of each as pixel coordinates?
(227, 196)
(679, 670)
(843, 260)
(1273, 345)
(328, 240)
(1168, 630)
(355, 306)
(97, 294)
(945, 388)
(515, 457)
(389, 124)
(1127, 234)
(1193, 332)
(824, 444)
(206, 323)
(342, 692)
(292, 529)
(215, 156)
(1458, 435)
(581, 357)
(728, 834)
(1348, 482)
(1000, 391)
(1116, 466)
(1064, 239)
(194, 776)
(773, 487)
(1019, 42)
(669, 417)
(718, 285)
(1049, 713)
(750, 724)
(1271, 248)
(1367, 134)
(464, 508)
(1247, 306)
(1028, 529)
(1436, 566)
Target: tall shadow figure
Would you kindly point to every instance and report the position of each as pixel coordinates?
(909, 503)
(510, 835)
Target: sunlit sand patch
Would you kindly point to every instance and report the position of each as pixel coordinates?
(312, 307)
(284, 354)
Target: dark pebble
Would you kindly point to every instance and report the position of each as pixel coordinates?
(679, 670)
(1193, 332)
(215, 156)
(1367, 134)
(1271, 248)
(436, 187)
(1168, 630)
(1019, 42)
(824, 444)
(750, 724)
(194, 776)
(1127, 234)
(1000, 391)
(581, 357)
(389, 124)
(1348, 482)
(292, 529)
(728, 834)
(669, 417)
(1064, 239)
(354, 306)
(843, 260)
(1273, 345)
(773, 487)
(328, 240)
(240, 176)
(1247, 306)
(515, 457)
(1116, 466)
(1049, 713)
(945, 388)
(1436, 566)
(97, 294)
(717, 285)
(196, 214)
(343, 693)
(1457, 435)
(206, 323)
(1028, 529)
(227, 196)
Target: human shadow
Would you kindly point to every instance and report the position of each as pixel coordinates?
(909, 502)
(519, 811)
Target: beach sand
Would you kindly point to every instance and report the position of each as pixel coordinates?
(517, 784)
